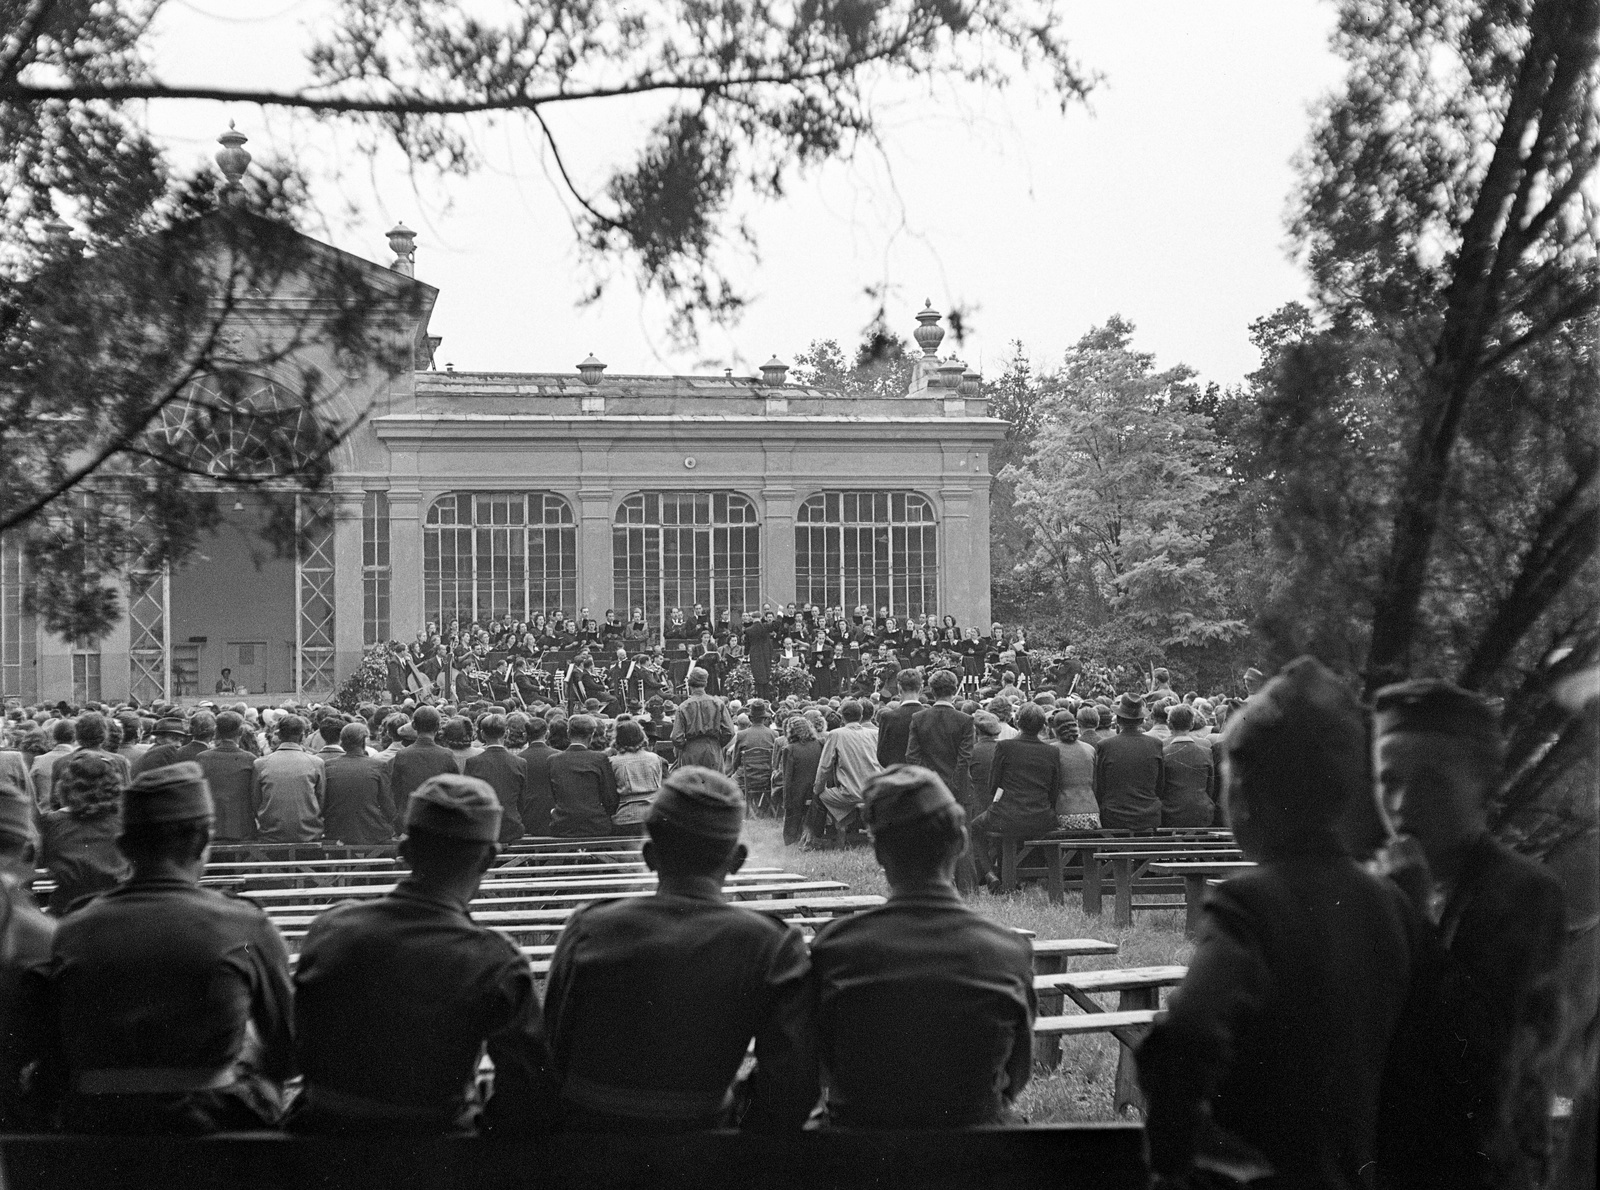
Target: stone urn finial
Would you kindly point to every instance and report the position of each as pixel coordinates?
(773, 372)
(590, 370)
(929, 334)
(403, 243)
(232, 159)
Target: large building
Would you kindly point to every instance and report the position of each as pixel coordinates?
(492, 495)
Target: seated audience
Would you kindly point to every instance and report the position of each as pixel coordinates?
(79, 846)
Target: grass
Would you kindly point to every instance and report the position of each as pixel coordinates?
(1080, 1089)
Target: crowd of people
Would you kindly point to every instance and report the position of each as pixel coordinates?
(1376, 1003)
(793, 648)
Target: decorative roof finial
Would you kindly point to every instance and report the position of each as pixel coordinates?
(403, 243)
(929, 334)
(233, 159)
(971, 383)
(590, 370)
(773, 372)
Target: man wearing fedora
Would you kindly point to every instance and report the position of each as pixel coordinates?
(171, 733)
(1128, 769)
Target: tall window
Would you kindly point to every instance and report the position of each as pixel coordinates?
(499, 555)
(18, 632)
(375, 568)
(875, 548)
(677, 549)
(85, 672)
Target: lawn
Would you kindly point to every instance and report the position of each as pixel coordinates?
(1080, 1089)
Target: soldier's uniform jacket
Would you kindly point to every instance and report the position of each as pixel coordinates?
(25, 939)
(924, 1013)
(152, 988)
(394, 998)
(651, 1004)
(1301, 975)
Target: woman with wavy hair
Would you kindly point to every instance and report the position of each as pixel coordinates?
(79, 845)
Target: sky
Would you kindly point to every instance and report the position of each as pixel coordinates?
(1162, 200)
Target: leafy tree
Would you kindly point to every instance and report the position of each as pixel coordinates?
(882, 365)
(1117, 493)
(124, 400)
(1428, 438)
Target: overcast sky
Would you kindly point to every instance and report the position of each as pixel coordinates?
(1163, 201)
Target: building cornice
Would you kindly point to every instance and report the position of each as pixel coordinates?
(544, 429)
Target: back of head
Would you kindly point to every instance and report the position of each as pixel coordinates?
(1297, 756)
(88, 784)
(492, 728)
(329, 728)
(987, 725)
(230, 725)
(909, 681)
(1180, 718)
(695, 822)
(538, 728)
(1088, 718)
(451, 828)
(426, 720)
(291, 729)
(944, 684)
(630, 736)
(1030, 720)
(131, 727)
(457, 732)
(353, 737)
(850, 711)
(759, 711)
(90, 730)
(64, 731)
(582, 727)
(166, 815)
(1065, 725)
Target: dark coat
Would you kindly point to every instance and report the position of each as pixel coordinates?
(941, 738)
(1029, 771)
(508, 773)
(356, 803)
(412, 766)
(229, 770)
(894, 732)
(583, 787)
(537, 800)
(1283, 1024)
(1127, 780)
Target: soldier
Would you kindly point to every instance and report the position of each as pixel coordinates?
(167, 1003)
(1272, 1053)
(702, 726)
(925, 1009)
(25, 937)
(448, 987)
(1500, 918)
(652, 1002)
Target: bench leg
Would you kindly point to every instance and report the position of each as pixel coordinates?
(1047, 1050)
(1008, 863)
(1127, 1093)
(1194, 896)
(1091, 884)
(1055, 883)
(1123, 869)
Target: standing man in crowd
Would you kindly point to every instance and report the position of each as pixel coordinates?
(167, 1004)
(942, 739)
(1127, 772)
(230, 774)
(505, 773)
(924, 1008)
(538, 801)
(413, 765)
(287, 790)
(63, 736)
(449, 989)
(583, 785)
(170, 735)
(702, 726)
(894, 724)
(357, 807)
(849, 761)
(1500, 918)
(652, 1002)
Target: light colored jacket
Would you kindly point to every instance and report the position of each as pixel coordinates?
(286, 795)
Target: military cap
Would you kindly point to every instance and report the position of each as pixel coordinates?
(700, 802)
(456, 807)
(171, 725)
(172, 793)
(1131, 707)
(1431, 705)
(903, 794)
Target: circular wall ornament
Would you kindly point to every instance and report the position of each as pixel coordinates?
(689, 462)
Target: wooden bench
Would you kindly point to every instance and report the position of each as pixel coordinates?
(1197, 875)
(509, 884)
(1128, 865)
(1054, 857)
(1139, 993)
(1057, 1157)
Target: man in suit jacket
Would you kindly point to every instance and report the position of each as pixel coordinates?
(941, 738)
(229, 770)
(505, 772)
(537, 800)
(414, 765)
(583, 785)
(171, 734)
(357, 806)
(894, 725)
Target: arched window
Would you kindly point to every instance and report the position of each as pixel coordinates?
(875, 548)
(677, 549)
(238, 424)
(499, 555)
